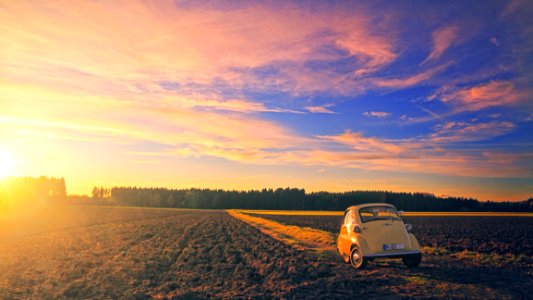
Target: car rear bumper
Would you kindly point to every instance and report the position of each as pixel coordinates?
(392, 254)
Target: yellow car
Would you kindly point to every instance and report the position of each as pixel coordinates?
(376, 230)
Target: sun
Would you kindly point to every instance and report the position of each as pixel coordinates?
(7, 163)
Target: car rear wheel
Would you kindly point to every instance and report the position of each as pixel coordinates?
(412, 261)
(357, 259)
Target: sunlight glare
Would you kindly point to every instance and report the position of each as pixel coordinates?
(7, 163)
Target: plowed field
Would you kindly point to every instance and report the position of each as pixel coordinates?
(114, 253)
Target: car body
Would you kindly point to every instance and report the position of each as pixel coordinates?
(376, 230)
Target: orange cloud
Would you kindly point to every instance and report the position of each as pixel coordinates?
(421, 155)
(493, 93)
(449, 162)
(408, 81)
(461, 131)
(121, 45)
(69, 116)
(360, 143)
(377, 51)
(442, 40)
(236, 105)
(319, 109)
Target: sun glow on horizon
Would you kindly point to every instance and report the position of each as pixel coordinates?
(7, 163)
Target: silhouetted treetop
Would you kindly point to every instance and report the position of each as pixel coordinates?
(292, 199)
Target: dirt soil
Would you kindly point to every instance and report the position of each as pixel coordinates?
(185, 254)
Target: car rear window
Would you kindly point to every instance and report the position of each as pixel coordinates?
(375, 213)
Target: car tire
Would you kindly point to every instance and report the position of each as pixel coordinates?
(357, 259)
(412, 261)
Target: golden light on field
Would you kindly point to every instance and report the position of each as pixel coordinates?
(7, 163)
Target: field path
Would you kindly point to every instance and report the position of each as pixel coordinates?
(301, 238)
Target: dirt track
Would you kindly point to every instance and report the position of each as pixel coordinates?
(200, 254)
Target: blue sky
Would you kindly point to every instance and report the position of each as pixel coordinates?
(404, 95)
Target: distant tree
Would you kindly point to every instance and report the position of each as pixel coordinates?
(21, 192)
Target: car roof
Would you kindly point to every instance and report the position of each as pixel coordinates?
(369, 204)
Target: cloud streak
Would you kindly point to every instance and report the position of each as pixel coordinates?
(398, 83)
(320, 109)
(490, 94)
(442, 40)
(451, 132)
(377, 114)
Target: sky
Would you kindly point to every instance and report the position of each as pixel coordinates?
(413, 96)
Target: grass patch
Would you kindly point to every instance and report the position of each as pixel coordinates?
(303, 238)
(493, 258)
(478, 258)
(418, 279)
(437, 251)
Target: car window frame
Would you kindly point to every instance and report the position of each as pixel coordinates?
(398, 218)
(347, 216)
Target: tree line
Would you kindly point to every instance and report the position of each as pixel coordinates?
(19, 192)
(292, 199)
(16, 192)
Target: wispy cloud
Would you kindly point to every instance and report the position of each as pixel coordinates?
(410, 80)
(432, 153)
(78, 118)
(236, 105)
(442, 40)
(320, 109)
(467, 132)
(492, 93)
(357, 141)
(377, 52)
(377, 114)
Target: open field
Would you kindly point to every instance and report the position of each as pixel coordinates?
(100, 252)
(487, 235)
(45, 219)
